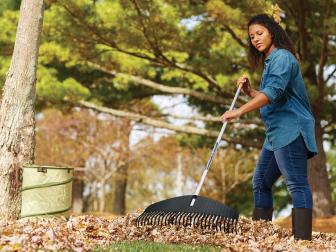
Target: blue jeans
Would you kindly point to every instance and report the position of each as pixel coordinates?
(290, 162)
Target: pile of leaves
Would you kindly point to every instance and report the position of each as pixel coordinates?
(83, 233)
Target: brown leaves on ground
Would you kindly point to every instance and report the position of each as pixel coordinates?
(86, 232)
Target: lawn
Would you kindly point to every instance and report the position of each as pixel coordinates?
(138, 246)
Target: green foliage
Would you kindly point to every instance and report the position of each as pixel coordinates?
(51, 91)
(8, 20)
(9, 5)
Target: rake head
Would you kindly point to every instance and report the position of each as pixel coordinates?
(205, 213)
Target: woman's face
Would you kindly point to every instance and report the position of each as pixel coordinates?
(261, 38)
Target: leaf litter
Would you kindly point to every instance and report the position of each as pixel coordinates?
(86, 232)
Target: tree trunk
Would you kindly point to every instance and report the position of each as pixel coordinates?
(179, 174)
(318, 179)
(121, 177)
(102, 196)
(77, 196)
(17, 123)
(120, 184)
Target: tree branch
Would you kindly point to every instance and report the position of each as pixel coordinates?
(234, 36)
(323, 55)
(160, 87)
(161, 124)
(331, 75)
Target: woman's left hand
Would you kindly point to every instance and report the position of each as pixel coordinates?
(232, 114)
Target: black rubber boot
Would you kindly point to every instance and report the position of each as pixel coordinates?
(302, 219)
(262, 214)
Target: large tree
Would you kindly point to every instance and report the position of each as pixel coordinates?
(17, 123)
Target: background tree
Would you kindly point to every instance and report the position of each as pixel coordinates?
(95, 144)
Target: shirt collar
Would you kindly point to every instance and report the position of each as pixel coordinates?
(271, 55)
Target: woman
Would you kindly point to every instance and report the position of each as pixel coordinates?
(289, 123)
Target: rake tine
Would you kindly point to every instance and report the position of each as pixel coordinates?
(153, 218)
(202, 220)
(179, 217)
(183, 217)
(189, 219)
(138, 220)
(228, 225)
(184, 220)
(221, 223)
(209, 221)
(161, 219)
(213, 218)
(214, 222)
(225, 224)
(142, 217)
(194, 219)
(150, 218)
(167, 217)
(158, 217)
(173, 218)
(218, 223)
(167, 220)
(197, 217)
(232, 225)
(207, 224)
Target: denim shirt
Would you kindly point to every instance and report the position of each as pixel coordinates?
(288, 114)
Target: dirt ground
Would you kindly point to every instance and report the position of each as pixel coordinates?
(327, 224)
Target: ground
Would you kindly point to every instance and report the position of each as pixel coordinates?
(87, 232)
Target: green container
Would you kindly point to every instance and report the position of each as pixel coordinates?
(46, 191)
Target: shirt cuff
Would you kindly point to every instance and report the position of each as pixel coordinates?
(273, 94)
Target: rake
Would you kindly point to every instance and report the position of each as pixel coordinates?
(194, 210)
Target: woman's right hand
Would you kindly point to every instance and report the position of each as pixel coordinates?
(244, 82)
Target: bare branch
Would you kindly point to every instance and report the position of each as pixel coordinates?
(161, 124)
(331, 75)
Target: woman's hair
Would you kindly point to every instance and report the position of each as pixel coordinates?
(280, 39)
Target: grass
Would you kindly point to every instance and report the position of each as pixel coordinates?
(140, 246)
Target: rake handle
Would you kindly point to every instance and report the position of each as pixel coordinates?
(214, 151)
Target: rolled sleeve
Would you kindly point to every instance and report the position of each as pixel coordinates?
(278, 77)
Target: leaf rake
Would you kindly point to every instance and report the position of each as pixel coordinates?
(194, 210)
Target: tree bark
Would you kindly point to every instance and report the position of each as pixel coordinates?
(17, 123)
(77, 196)
(121, 177)
(318, 179)
(120, 186)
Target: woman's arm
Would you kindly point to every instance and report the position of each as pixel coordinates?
(259, 99)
